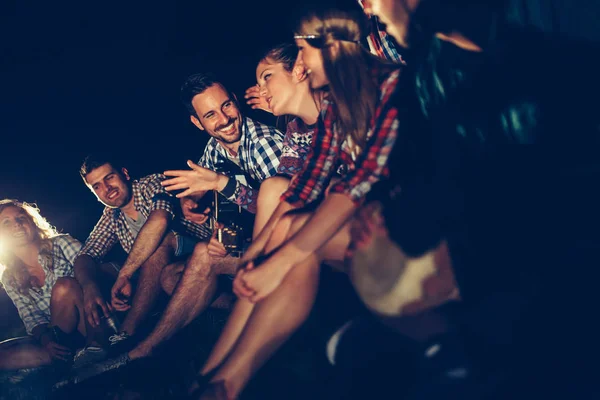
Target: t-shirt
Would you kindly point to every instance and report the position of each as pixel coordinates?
(135, 225)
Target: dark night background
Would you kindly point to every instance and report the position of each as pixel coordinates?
(80, 76)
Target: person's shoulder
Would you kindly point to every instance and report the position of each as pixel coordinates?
(258, 130)
(64, 240)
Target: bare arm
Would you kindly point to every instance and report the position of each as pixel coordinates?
(261, 238)
(324, 223)
(147, 241)
(85, 272)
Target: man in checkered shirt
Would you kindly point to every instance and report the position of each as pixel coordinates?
(251, 150)
(235, 141)
(147, 222)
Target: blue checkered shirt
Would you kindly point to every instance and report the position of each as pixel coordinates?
(258, 156)
(148, 195)
(34, 310)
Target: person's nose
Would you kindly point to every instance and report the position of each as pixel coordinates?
(262, 91)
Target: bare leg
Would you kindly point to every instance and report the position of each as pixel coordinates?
(268, 199)
(193, 294)
(275, 318)
(66, 306)
(171, 275)
(22, 353)
(148, 287)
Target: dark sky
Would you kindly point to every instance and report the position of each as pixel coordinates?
(79, 76)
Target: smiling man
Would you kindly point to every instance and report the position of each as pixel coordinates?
(144, 219)
(240, 154)
(237, 143)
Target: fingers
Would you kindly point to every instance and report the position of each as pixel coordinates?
(187, 192)
(176, 173)
(239, 286)
(177, 186)
(252, 91)
(194, 166)
(93, 316)
(197, 218)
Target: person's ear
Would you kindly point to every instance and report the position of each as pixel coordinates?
(125, 173)
(196, 122)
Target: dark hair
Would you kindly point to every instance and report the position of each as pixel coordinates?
(96, 160)
(194, 85)
(284, 53)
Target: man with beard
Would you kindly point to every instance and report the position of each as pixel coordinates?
(251, 150)
(144, 218)
(238, 141)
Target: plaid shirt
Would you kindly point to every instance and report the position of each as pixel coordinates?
(148, 195)
(258, 156)
(359, 172)
(34, 310)
(380, 42)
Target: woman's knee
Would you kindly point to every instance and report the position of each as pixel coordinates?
(66, 288)
(273, 187)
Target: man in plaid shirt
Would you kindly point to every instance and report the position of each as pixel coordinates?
(237, 142)
(240, 154)
(145, 220)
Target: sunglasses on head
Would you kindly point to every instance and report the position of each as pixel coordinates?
(318, 41)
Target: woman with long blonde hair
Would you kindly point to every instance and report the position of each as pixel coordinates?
(39, 278)
(353, 139)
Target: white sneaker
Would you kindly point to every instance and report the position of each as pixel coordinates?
(88, 355)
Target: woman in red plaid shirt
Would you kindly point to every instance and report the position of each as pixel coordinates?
(354, 139)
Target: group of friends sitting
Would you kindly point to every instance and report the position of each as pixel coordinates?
(452, 187)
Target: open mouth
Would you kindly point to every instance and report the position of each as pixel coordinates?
(19, 234)
(269, 101)
(112, 194)
(229, 129)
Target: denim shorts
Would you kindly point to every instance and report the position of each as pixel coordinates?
(185, 245)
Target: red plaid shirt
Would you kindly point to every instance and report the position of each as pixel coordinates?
(331, 148)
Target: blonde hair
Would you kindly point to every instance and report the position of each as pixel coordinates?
(352, 86)
(16, 273)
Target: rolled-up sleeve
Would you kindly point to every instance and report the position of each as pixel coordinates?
(101, 239)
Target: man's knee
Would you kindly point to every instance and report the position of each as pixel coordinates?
(169, 241)
(65, 288)
(199, 262)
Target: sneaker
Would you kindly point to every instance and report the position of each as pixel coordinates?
(119, 343)
(89, 355)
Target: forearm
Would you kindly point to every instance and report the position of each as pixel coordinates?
(261, 238)
(85, 270)
(325, 222)
(147, 241)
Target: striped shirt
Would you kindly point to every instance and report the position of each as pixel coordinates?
(34, 309)
(148, 195)
(258, 156)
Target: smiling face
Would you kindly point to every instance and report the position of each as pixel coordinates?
(110, 186)
(17, 228)
(217, 114)
(312, 59)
